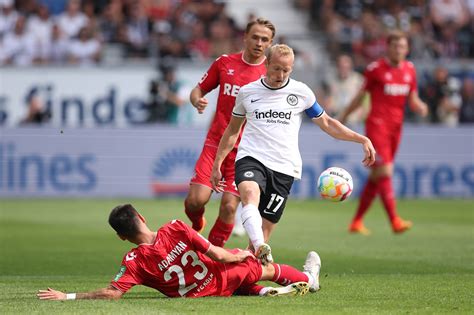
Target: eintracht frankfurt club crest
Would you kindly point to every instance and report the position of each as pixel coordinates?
(292, 99)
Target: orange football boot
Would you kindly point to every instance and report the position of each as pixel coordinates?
(359, 228)
(399, 225)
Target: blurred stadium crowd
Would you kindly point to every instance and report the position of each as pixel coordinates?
(58, 32)
(437, 28)
(75, 31)
(441, 32)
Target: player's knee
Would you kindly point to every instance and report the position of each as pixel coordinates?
(249, 194)
(194, 203)
(228, 208)
(268, 272)
(381, 171)
(385, 171)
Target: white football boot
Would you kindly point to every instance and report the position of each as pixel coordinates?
(238, 231)
(312, 266)
(294, 289)
(264, 253)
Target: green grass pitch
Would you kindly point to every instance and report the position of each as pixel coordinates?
(68, 245)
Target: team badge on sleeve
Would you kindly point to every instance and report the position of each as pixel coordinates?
(249, 174)
(203, 78)
(130, 256)
(120, 273)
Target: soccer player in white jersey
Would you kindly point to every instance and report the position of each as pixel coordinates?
(268, 158)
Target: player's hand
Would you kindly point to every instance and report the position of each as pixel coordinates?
(201, 104)
(422, 109)
(369, 152)
(244, 254)
(216, 180)
(51, 294)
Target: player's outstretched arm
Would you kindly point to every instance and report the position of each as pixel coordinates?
(417, 105)
(110, 293)
(228, 140)
(355, 103)
(197, 99)
(222, 255)
(337, 130)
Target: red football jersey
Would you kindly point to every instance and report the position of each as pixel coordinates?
(389, 87)
(230, 73)
(175, 265)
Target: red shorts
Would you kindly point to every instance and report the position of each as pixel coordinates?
(385, 141)
(203, 169)
(242, 274)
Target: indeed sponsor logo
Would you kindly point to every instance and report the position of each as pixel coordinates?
(272, 114)
(100, 107)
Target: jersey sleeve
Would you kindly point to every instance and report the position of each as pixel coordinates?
(312, 107)
(239, 109)
(198, 241)
(127, 277)
(369, 75)
(210, 79)
(310, 98)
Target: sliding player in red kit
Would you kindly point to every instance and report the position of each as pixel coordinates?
(390, 81)
(179, 262)
(229, 73)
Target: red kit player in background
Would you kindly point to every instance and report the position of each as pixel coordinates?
(229, 72)
(179, 262)
(390, 81)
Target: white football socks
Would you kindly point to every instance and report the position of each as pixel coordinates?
(252, 222)
(238, 215)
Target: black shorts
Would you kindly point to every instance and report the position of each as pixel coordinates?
(274, 186)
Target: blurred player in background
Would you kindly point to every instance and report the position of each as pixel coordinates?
(342, 89)
(229, 72)
(179, 262)
(390, 82)
(268, 158)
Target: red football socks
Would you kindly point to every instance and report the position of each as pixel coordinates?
(368, 195)
(285, 275)
(196, 218)
(388, 196)
(220, 233)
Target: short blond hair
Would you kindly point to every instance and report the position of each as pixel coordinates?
(280, 49)
(261, 21)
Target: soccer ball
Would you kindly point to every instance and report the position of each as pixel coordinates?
(335, 184)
